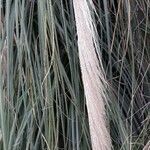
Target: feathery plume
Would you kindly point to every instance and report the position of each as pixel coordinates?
(147, 146)
(92, 76)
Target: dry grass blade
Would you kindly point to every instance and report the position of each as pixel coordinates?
(92, 76)
(3, 55)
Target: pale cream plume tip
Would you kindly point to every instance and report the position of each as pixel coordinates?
(92, 76)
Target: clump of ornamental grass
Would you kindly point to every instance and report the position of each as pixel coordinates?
(74, 74)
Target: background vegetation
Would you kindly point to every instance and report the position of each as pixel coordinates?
(42, 101)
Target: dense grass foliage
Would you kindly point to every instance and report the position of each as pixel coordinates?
(42, 100)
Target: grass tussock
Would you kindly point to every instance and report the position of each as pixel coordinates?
(43, 92)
